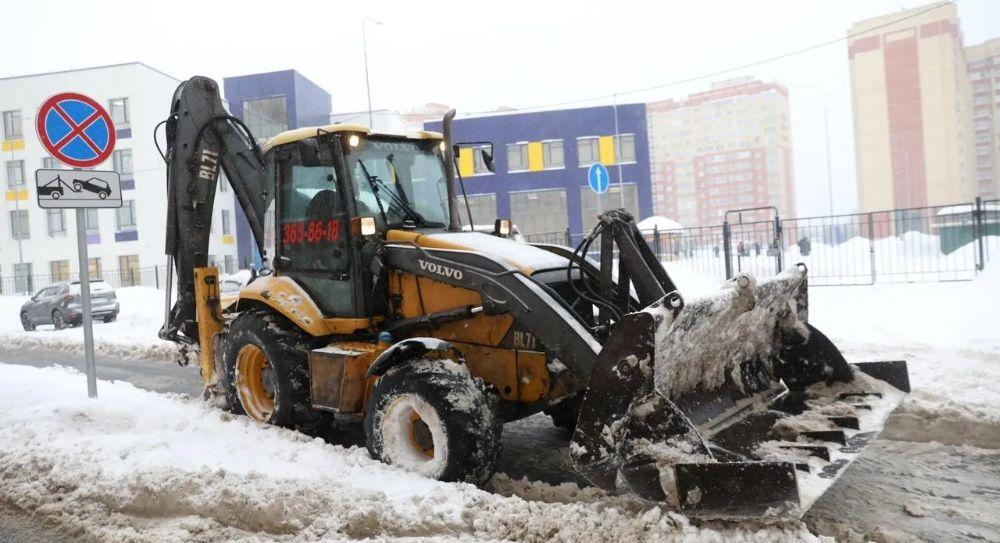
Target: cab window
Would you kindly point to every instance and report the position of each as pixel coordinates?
(312, 219)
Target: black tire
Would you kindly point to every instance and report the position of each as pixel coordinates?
(286, 348)
(565, 412)
(102, 195)
(56, 195)
(58, 320)
(77, 187)
(26, 322)
(460, 425)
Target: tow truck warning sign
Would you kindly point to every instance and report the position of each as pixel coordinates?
(67, 189)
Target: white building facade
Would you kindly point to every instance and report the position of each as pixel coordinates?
(125, 246)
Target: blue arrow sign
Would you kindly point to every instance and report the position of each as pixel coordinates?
(598, 178)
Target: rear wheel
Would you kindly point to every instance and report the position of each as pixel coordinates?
(58, 321)
(26, 322)
(430, 416)
(267, 371)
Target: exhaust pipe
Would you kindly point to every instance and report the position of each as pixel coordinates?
(454, 223)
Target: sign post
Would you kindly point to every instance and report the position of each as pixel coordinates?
(78, 131)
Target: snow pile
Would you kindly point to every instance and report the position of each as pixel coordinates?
(139, 466)
(133, 335)
(659, 223)
(948, 334)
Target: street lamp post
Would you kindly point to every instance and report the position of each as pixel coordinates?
(368, 86)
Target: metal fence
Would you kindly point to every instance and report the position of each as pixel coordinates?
(934, 243)
(151, 276)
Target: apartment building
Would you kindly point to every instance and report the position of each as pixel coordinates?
(38, 246)
(912, 117)
(541, 161)
(723, 149)
(983, 62)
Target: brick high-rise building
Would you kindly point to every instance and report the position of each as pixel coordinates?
(983, 61)
(725, 148)
(912, 117)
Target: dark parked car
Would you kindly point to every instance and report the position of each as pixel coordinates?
(95, 185)
(60, 305)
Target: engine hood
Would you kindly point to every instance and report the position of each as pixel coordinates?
(526, 258)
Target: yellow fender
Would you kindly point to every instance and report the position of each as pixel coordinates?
(285, 296)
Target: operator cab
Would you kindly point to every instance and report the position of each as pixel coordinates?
(329, 181)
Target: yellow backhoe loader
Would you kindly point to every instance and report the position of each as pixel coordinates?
(374, 302)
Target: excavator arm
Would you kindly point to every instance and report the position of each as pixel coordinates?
(202, 138)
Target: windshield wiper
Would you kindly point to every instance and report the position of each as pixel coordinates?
(371, 184)
(394, 198)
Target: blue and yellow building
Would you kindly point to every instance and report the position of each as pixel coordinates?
(541, 161)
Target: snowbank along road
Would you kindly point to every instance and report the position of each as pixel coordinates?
(142, 466)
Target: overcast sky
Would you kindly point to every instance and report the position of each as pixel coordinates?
(513, 53)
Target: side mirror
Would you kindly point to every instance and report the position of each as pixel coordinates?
(488, 158)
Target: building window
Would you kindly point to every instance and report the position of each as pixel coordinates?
(223, 182)
(225, 223)
(23, 282)
(56, 220)
(517, 157)
(59, 270)
(593, 204)
(123, 162)
(19, 226)
(128, 270)
(482, 206)
(94, 267)
(539, 211)
(126, 215)
(625, 148)
(12, 125)
(49, 163)
(93, 223)
(266, 117)
(552, 155)
(15, 174)
(119, 111)
(230, 261)
(589, 150)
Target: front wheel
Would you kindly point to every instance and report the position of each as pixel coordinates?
(26, 322)
(430, 416)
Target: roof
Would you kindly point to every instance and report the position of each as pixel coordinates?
(89, 68)
(299, 134)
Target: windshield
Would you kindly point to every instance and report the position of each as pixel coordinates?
(400, 180)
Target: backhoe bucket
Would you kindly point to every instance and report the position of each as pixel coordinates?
(729, 406)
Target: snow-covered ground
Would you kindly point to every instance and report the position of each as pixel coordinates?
(140, 466)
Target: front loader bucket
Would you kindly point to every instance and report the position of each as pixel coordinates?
(730, 406)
